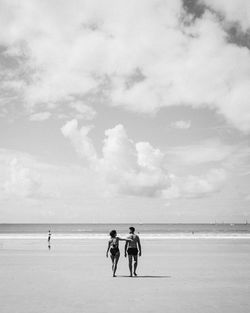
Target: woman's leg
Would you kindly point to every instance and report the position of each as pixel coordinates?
(112, 259)
(116, 259)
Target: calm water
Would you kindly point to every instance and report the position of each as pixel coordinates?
(145, 230)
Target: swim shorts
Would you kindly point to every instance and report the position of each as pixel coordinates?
(132, 251)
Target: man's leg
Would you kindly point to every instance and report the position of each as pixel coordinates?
(135, 264)
(130, 264)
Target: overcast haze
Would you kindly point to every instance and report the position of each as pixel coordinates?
(119, 111)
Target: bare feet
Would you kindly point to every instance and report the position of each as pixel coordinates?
(135, 274)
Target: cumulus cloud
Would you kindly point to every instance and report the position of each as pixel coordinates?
(127, 167)
(181, 124)
(22, 181)
(132, 168)
(41, 116)
(142, 55)
(137, 168)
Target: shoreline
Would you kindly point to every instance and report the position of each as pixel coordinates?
(142, 236)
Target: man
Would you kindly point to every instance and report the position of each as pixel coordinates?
(132, 248)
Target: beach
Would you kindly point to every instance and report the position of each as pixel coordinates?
(175, 275)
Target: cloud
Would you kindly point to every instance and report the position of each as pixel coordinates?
(201, 75)
(132, 168)
(181, 124)
(80, 140)
(233, 11)
(196, 186)
(141, 55)
(83, 111)
(211, 150)
(23, 181)
(26, 176)
(127, 167)
(41, 116)
(138, 168)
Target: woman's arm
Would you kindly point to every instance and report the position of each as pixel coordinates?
(107, 253)
(124, 239)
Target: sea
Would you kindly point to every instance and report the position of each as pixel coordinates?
(145, 231)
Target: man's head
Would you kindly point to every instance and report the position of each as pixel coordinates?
(131, 230)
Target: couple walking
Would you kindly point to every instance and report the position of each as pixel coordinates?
(132, 249)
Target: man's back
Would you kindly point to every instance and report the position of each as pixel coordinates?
(134, 242)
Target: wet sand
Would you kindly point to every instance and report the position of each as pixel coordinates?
(195, 275)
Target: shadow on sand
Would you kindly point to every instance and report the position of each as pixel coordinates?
(145, 276)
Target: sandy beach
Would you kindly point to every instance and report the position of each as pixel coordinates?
(195, 275)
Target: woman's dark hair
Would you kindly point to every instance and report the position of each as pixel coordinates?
(113, 233)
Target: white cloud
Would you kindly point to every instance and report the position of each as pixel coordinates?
(83, 111)
(22, 181)
(128, 167)
(41, 116)
(26, 176)
(201, 75)
(196, 186)
(132, 168)
(137, 54)
(181, 124)
(211, 150)
(80, 140)
(234, 11)
(138, 168)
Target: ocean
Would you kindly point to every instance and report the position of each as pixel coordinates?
(146, 231)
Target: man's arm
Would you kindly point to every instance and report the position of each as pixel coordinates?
(125, 249)
(139, 245)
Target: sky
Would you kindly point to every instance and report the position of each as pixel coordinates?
(124, 111)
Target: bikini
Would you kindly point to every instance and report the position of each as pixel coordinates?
(114, 249)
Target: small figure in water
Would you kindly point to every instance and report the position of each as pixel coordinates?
(49, 237)
(113, 247)
(132, 248)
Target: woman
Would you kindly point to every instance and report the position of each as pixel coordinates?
(113, 247)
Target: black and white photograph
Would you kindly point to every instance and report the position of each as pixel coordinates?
(124, 156)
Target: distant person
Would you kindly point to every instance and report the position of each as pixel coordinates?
(49, 237)
(113, 247)
(133, 248)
